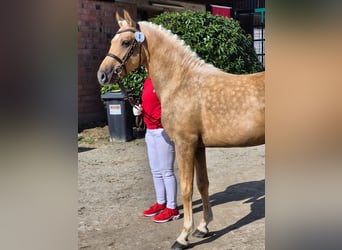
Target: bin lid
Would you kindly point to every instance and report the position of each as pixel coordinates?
(117, 95)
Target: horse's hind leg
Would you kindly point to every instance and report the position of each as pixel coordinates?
(203, 187)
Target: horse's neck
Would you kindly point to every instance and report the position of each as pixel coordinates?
(167, 59)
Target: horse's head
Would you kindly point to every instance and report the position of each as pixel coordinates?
(125, 54)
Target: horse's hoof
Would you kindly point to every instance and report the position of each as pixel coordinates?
(199, 234)
(178, 246)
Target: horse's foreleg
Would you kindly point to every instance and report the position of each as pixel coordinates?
(203, 187)
(185, 160)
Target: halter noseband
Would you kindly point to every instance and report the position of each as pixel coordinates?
(130, 52)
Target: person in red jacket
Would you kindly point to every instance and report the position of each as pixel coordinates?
(161, 155)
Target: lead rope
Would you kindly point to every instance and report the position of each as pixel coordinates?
(138, 119)
(129, 98)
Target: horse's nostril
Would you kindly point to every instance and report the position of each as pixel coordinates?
(101, 77)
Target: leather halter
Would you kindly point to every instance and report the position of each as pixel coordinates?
(130, 52)
(122, 62)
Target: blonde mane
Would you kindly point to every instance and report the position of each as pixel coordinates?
(190, 58)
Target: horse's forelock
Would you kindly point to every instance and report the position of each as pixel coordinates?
(122, 23)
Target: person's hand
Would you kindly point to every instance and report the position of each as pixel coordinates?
(137, 110)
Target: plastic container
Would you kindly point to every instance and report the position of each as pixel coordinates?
(119, 116)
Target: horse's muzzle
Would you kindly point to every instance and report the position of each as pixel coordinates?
(103, 77)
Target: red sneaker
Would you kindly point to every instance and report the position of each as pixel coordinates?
(154, 209)
(166, 215)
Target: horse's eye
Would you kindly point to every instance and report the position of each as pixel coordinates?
(125, 43)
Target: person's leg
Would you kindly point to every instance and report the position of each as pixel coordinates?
(152, 143)
(166, 156)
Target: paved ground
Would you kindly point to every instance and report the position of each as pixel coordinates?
(115, 186)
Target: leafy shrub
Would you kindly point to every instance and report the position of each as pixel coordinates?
(216, 39)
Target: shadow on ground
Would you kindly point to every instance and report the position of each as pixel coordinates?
(253, 191)
(84, 149)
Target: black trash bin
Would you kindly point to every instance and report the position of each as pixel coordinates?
(119, 115)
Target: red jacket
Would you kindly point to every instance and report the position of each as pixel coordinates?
(151, 108)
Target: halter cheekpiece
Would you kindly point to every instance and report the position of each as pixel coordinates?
(139, 38)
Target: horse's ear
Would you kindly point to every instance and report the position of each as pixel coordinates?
(118, 15)
(123, 17)
(128, 18)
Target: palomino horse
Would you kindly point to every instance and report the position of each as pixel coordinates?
(202, 106)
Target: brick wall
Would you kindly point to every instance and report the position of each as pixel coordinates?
(96, 27)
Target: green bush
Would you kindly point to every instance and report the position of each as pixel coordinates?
(216, 39)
